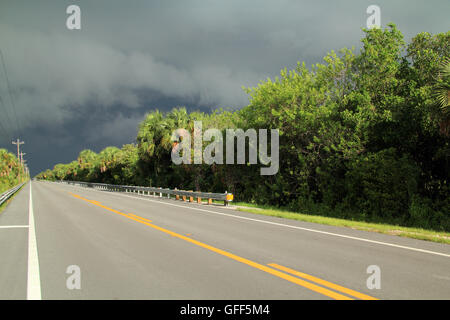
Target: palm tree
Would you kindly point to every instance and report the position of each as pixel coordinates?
(442, 88)
(87, 163)
(8, 164)
(442, 95)
(108, 158)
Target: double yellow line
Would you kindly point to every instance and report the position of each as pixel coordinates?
(325, 283)
(315, 284)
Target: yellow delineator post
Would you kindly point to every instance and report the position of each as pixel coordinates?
(229, 197)
(209, 201)
(199, 200)
(177, 197)
(191, 199)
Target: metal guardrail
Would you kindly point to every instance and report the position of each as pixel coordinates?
(185, 195)
(8, 194)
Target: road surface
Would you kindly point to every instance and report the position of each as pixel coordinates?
(76, 243)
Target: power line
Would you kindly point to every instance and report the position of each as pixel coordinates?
(9, 91)
(8, 120)
(3, 130)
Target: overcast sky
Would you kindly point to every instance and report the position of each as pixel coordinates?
(89, 88)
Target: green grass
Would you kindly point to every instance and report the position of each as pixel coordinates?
(415, 233)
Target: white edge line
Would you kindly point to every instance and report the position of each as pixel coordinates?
(33, 281)
(282, 225)
(17, 226)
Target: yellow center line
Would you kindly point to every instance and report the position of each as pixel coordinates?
(322, 282)
(139, 217)
(277, 273)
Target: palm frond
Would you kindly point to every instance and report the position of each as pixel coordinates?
(442, 87)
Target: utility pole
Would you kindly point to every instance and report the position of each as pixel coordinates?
(22, 161)
(21, 157)
(25, 169)
(18, 143)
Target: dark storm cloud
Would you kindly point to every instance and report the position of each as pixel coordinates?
(90, 88)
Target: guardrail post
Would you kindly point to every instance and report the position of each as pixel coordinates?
(160, 194)
(226, 198)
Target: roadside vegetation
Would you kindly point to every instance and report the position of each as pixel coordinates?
(9, 173)
(9, 170)
(364, 136)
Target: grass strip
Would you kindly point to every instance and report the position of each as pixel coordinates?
(408, 232)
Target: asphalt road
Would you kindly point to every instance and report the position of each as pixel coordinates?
(127, 246)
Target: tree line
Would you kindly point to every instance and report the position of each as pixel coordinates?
(363, 135)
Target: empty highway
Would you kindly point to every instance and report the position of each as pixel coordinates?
(128, 246)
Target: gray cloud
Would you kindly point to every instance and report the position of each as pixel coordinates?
(54, 71)
(120, 129)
